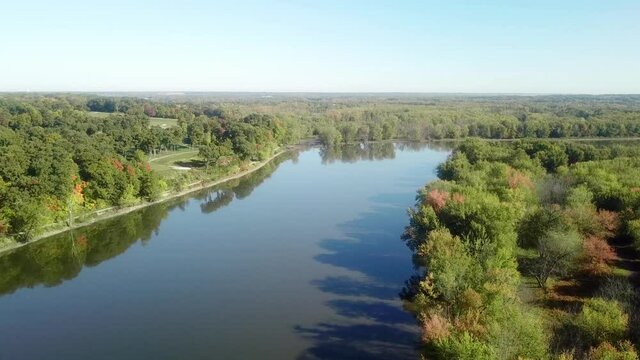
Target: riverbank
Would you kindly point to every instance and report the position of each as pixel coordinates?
(109, 213)
(112, 212)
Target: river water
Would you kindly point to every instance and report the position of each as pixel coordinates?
(299, 260)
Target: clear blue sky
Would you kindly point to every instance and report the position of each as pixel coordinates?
(559, 46)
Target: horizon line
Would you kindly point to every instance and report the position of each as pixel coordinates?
(184, 92)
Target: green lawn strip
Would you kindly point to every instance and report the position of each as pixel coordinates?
(164, 162)
(153, 121)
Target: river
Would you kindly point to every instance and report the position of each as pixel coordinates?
(300, 260)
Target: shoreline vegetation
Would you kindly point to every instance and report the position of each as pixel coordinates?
(112, 212)
(530, 250)
(76, 156)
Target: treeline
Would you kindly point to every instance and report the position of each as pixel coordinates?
(57, 161)
(344, 119)
(64, 155)
(506, 216)
(352, 119)
(427, 123)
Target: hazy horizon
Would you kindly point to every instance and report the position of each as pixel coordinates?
(359, 93)
(416, 47)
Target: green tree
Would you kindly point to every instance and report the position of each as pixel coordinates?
(214, 152)
(602, 320)
(557, 252)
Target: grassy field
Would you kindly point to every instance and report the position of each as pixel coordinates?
(165, 163)
(99, 114)
(153, 121)
(162, 122)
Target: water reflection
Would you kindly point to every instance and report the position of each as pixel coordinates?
(52, 261)
(357, 152)
(377, 150)
(236, 284)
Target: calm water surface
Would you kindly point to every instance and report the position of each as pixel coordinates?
(300, 260)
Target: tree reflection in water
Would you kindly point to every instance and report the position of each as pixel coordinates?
(62, 257)
(376, 150)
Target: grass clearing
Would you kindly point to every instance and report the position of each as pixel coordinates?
(164, 163)
(164, 123)
(102, 115)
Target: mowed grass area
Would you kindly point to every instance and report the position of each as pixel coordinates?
(164, 163)
(162, 122)
(99, 114)
(153, 121)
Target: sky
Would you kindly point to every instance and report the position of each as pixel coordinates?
(516, 46)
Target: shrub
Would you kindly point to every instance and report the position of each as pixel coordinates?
(4, 227)
(567, 355)
(437, 199)
(451, 268)
(461, 347)
(553, 190)
(519, 333)
(557, 255)
(633, 230)
(620, 290)
(453, 167)
(602, 320)
(434, 328)
(536, 223)
(606, 351)
(598, 255)
(517, 179)
(610, 221)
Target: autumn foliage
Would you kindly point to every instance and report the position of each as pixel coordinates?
(599, 255)
(517, 179)
(457, 198)
(610, 221)
(82, 241)
(118, 165)
(435, 327)
(131, 170)
(437, 199)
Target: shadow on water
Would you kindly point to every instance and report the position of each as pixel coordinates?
(367, 247)
(346, 286)
(377, 311)
(365, 342)
(52, 261)
(375, 326)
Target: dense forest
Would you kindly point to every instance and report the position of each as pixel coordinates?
(60, 161)
(66, 156)
(528, 250)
